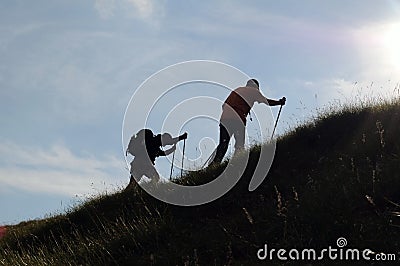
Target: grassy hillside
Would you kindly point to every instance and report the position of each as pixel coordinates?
(338, 176)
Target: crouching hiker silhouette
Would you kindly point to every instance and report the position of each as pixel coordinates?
(146, 147)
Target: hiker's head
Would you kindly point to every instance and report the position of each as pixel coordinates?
(253, 83)
(149, 133)
(145, 134)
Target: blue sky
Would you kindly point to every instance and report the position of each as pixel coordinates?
(69, 68)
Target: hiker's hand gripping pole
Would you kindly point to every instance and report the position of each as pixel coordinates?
(283, 102)
(183, 136)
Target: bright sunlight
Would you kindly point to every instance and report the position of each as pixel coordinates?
(391, 44)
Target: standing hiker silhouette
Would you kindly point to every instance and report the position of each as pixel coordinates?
(146, 147)
(234, 112)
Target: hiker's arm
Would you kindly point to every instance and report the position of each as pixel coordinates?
(172, 141)
(271, 102)
(262, 99)
(169, 151)
(181, 137)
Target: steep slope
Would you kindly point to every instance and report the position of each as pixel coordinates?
(338, 176)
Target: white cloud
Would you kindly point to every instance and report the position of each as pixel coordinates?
(77, 76)
(57, 170)
(145, 8)
(105, 8)
(8, 34)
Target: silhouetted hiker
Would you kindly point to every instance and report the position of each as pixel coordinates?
(146, 147)
(234, 112)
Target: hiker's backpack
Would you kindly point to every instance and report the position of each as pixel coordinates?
(137, 143)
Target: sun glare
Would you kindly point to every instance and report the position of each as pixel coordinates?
(391, 43)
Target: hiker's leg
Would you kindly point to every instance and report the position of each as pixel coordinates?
(222, 147)
(133, 182)
(136, 173)
(147, 168)
(153, 174)
(135, 178)
(239, 134)
(156, 177)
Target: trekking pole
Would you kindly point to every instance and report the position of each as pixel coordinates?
(172, 165)
(212, 156)
(276, 122)
(183, 155)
